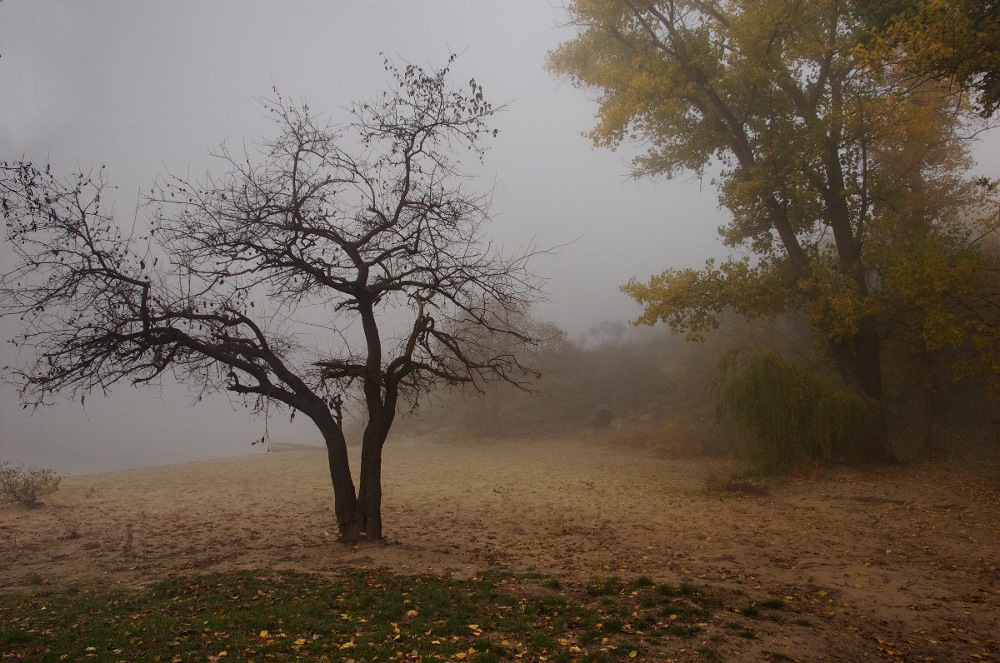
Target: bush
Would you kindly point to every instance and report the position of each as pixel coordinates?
(789, 417)
(27, 486)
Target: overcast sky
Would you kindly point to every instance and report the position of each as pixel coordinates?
(151, 87)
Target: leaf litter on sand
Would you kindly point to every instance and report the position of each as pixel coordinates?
(254, 615)
(923, 568)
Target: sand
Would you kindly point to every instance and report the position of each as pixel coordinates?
(898, 562)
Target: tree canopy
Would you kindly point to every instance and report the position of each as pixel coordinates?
(954, 40)
(362, 231)
(837, 176)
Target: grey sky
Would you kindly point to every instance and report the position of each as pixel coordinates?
(149, 87)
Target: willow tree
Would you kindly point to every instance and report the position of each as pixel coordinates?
(363, 231)
(823, 161)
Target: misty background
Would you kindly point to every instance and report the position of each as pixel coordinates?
(149, 88)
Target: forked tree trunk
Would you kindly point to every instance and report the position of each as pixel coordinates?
(359, 515)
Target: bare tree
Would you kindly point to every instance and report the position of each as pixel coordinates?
(365, 227)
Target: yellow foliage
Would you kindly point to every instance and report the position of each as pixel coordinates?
(957, 41)
(846, 180)
(690, 301)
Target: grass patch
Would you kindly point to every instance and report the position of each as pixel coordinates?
(606, 587)
(254, 615)
(614, 625)
(775, 604)
(709, 655)
(642, 582)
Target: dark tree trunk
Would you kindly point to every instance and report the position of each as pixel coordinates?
(368, 513)
(369, 506)
(859, 361)
(359, 515)
(868, 358)
(931, 382)
(344, 499)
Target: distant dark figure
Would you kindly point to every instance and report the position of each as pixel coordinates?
(602, 418)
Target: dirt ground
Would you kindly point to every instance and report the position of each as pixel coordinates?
(898, 563)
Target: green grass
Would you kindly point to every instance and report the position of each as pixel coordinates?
(608, 586)
(365, 616)
(775, 604)
(709, 655)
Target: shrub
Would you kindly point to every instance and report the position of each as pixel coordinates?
(788, 416)
(27, 486)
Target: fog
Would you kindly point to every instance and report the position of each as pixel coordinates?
(150, 88)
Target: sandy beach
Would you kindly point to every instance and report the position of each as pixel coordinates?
(898, 562)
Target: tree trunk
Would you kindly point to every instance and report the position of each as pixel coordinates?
(860, 364)
(359, 515)
(344, 498)
(368, 512)
(931, 383)
(868, 355)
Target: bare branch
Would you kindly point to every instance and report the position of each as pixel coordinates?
(218, 292)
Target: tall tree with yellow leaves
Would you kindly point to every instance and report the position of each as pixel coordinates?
(835, 175)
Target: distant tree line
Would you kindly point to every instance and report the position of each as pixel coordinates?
(745, 381)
